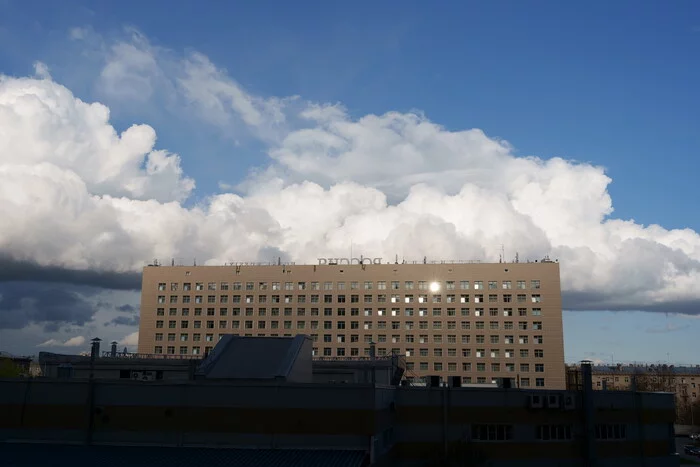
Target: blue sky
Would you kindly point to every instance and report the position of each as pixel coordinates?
(609, 83)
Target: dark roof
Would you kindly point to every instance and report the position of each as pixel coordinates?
(26, 454)
(238, 357)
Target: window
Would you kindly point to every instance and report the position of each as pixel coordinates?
(537, 325)
(525, 367)
(539, 368)
(539, 382)
(368, 285)
(539, 353)
(607, 431)
(493, 285)
(534, 284)
(492, 432)
(536, 298)
(437, 366)
(464, 285)
(553, 432)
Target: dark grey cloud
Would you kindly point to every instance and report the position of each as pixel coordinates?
(127, 308)
(13, 270)
(24, 303)
(124, 321)
(591, 301)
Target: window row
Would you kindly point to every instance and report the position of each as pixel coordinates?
(393, 312)
(353, 285)
(523, 383)
(339, 325)
(353, 298)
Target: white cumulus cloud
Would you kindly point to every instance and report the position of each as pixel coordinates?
(76, 193)
(76, 341)
(130, 339)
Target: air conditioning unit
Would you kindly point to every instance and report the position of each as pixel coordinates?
(143, 375)
(569, 402)
(553, 401)
(535, 401)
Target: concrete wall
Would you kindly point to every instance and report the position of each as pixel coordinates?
(409, 425)
(189, 414)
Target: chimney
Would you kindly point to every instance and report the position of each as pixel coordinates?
(588, 407)
(114, 349)
(95, 350)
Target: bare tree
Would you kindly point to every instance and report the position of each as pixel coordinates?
(655, 378)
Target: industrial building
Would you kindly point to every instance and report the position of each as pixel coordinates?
(265, 411)
(480, 322)
(283, 352)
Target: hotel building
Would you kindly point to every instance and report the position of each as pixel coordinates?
(481, 322)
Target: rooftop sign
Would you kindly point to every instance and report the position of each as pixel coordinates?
(348, 261)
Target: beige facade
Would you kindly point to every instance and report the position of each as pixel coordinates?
(478, 321)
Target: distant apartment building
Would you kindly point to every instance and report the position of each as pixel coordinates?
(475, 321)
(684, 381)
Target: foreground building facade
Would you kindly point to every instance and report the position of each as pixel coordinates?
(477, 322)
(365, 424)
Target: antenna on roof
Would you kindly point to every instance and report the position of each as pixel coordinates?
(517, 257)
(172, 262)
(195, 261)
(425, 260)
(397, 259)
